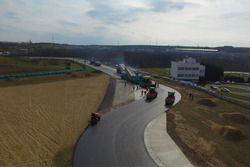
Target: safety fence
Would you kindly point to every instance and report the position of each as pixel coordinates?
(36, 74)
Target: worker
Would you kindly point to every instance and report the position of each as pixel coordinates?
(142, 92)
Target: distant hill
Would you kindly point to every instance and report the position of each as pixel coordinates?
(228, 57)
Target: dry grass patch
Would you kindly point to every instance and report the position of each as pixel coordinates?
(207, 103)
(229, 132)
(236, 117)
(38, 121)
(190, 125)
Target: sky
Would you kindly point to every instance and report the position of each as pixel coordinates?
(127, 22)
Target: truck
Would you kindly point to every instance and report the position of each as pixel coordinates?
(169, 101)
(152, 93)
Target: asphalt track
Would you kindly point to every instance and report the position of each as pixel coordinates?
(118, 139)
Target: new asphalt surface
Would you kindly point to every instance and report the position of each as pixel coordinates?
(118, 139)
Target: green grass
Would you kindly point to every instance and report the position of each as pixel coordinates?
(234, 89)
(10, 65)
(165, 72)
(244, 75)
(236, 96)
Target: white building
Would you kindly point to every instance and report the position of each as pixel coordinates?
(187, 69)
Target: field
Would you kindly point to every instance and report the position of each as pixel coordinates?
(13, 65)
(211, 132)
(244, 75)
(238, 92)
(164, 72)
(40, 122)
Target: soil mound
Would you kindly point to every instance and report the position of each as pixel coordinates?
(229, 132)
(236, 117)
(207, 102)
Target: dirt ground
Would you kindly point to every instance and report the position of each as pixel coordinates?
(41, 120)
(209, 131)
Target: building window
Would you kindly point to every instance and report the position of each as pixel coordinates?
(195, 68)
(180, 75)
(180, 68)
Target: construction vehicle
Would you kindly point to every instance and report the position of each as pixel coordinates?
(146, 82)
(152, 93)
(95, 118)
(120, 68)
(170, 99)
(95, 63)
(134, 77)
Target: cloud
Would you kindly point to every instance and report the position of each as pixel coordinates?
(101, 28)
(10, 15)
(115, 13)
(68, 23)
(189, 22)
(166, 5)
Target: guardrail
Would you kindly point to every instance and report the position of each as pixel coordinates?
(36, 74)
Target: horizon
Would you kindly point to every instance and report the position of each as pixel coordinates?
(117, 45)
(198, 23)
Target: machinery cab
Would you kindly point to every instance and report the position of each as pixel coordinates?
(95, 118)
(146, 82)
(170, 99)
(152, 93)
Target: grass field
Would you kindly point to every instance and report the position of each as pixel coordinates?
(40, 122)
(164, 72)
(245, 75)
(238, 96)
(236, 91)
(13, 65)
(211, 132)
